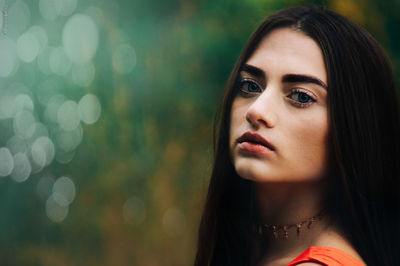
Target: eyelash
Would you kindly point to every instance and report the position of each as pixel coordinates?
(247, 94)
(299, 104)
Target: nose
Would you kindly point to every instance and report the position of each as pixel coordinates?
(263, 111)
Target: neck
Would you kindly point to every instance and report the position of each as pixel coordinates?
(287, 203)
(283, 204)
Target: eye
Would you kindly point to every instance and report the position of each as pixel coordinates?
(249, 87)
(301, 98)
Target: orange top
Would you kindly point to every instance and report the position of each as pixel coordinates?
(327, 256)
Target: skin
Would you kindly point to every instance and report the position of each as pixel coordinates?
(299, 133)
(290, 181)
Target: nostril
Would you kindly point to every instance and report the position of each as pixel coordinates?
(257, 119)
(248, 118)
(252, 119)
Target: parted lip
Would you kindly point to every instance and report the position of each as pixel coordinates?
(255, 138)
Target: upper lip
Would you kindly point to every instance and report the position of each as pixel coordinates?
(255, 138)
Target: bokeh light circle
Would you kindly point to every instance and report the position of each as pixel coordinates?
(21, 102)
(65, 186)
(41, 130)
(55, 211)
(89, 108)
(68, 140)
(68, 7)
(50, 9)
(40, 35)
(64, 157)
(17, 144)
(80, 38)
(22, 168)
(14, 99)
(6, 162)
(27, 47)
(51, 111)
(60, 199)
(38, 157)
(124, 59)
(43, 151)
(24, 124)
(68, 115)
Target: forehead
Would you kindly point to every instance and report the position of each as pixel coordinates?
(285, 51)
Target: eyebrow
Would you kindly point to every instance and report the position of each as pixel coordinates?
(301, 78)
(255, 71)
(288, 78)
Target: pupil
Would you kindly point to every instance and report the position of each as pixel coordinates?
(252, 87)
(303, 98)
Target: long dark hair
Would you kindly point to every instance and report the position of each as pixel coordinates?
(363, 107)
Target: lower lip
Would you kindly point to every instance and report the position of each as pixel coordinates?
(254, 148)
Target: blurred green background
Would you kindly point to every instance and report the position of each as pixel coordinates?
(106, 111)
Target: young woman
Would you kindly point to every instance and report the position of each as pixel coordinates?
(307, 149)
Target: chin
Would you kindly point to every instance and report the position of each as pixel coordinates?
(252, 172)
(245, 174)
(267, 175)
(256, 178)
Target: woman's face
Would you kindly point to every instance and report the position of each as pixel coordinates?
(279, 120)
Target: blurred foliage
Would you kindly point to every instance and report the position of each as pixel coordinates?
(141, 171)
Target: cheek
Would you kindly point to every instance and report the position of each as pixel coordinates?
(310, 145)
(237, 117)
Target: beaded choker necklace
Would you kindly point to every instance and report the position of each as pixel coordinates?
(263, 229)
